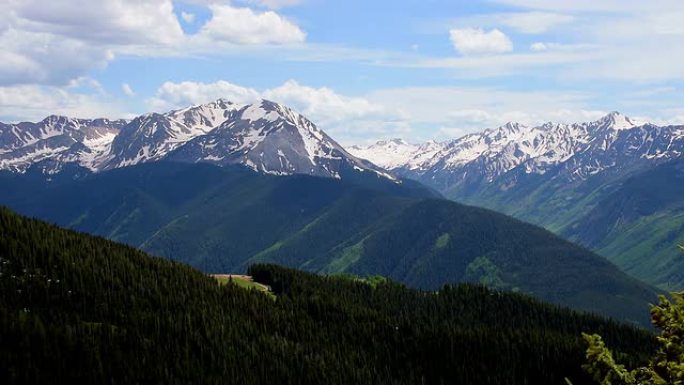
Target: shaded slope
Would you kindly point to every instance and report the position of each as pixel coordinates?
(222, 219)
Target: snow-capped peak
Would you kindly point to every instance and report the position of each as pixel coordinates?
(579, 149)
(386, 153)
(616, 121)
(272, 138)
(204, 116)
(265, 136)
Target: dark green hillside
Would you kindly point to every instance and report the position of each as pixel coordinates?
(224, 219)
(80, 309)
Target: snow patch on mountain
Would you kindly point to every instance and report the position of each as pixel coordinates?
(575, 151)
(265, 136)
(24, 144)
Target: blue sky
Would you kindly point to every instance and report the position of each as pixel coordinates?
(362, 70)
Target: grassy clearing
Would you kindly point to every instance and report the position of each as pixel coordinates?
(243, 281)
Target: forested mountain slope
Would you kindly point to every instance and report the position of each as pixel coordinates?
(640, 225)
(566, 177)
(224, 219)
(80, 309)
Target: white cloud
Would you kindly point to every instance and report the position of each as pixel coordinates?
(127, 90)
(323, 103)
(529, 22)
(449, 112)
(477, 67)
(31, 57)
(32, 103)
(104, 21)
(188, 17)
(343, 116)
(274, 4)
(416, 113)
(246, 26)
(175, 95)
(534, 22)
(475, 41)
(53, 42)
(539, 46)
(611, 40)
(48, 42)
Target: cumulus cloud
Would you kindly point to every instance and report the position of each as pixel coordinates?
(175, 95)
(31, 57)
(416, 113)
(246, 26)
(33, 102)
(323, 103)
(476, 41)
(320, 104)
(104, 21)
(345, 117)
(612, 39)
(51, 43)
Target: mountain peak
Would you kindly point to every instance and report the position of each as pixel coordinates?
(616, 121)
(267, 110)
(512, 125)
(222, 102)
(56, 119)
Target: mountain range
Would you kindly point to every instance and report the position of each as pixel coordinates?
(568, 178)
(222, 186)
(264, 136)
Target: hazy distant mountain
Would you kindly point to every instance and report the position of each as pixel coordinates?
(554, 175)
(265, 136)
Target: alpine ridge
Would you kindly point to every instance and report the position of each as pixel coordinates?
(561, 175)
(264, 136)
(569, 151)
